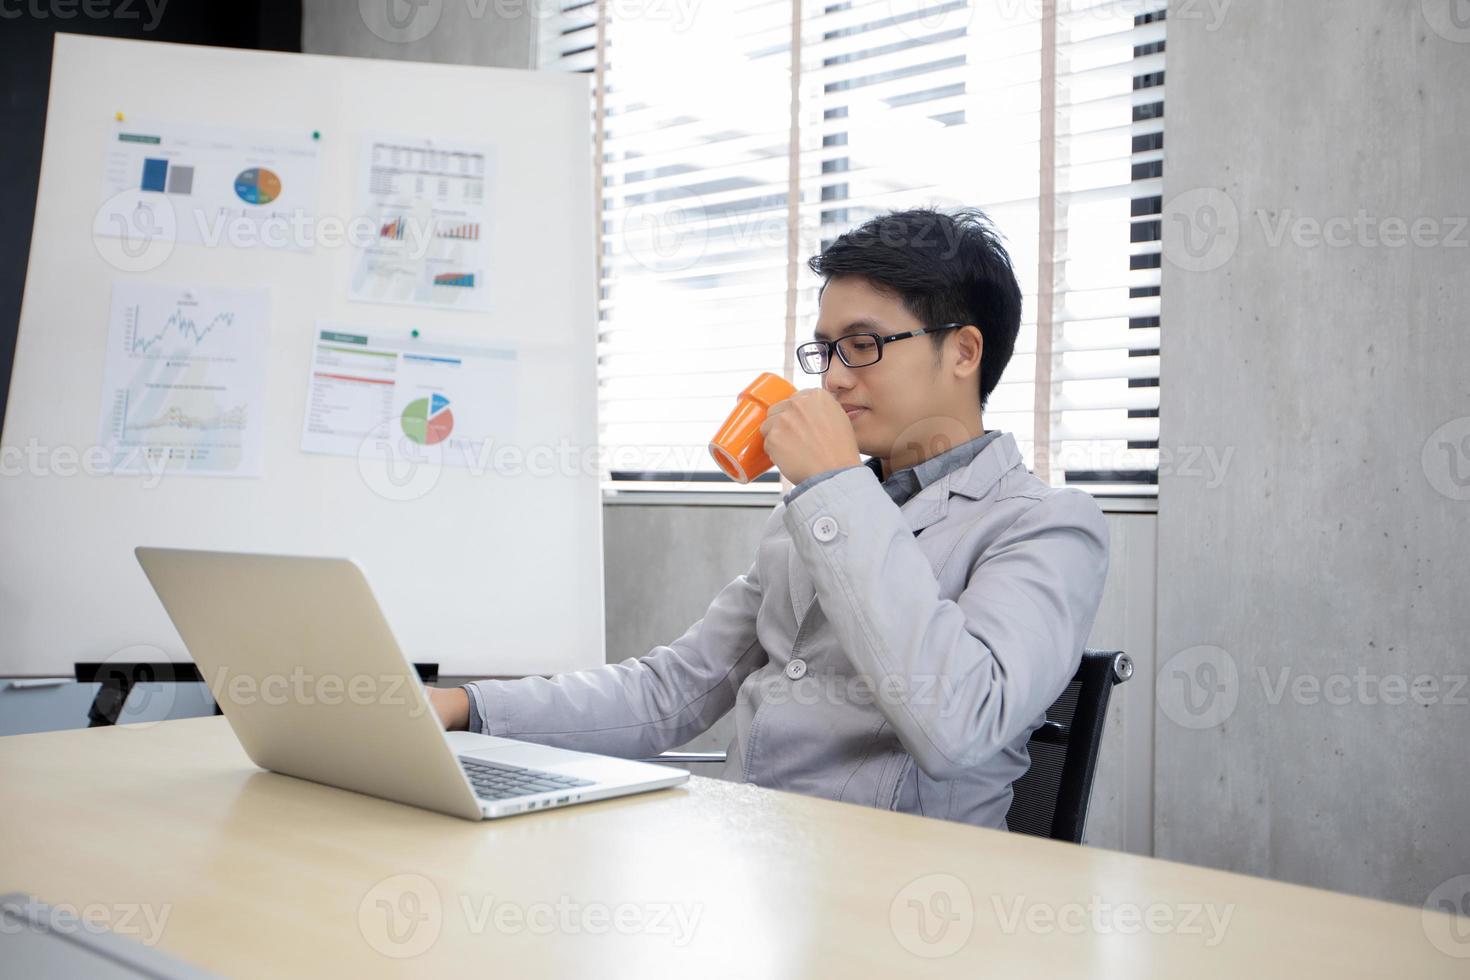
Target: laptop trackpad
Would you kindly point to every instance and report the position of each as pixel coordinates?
(508, 751)
(467, 743)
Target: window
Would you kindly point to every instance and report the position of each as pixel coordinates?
(715, 192)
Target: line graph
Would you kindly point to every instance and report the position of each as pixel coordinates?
(179, 322)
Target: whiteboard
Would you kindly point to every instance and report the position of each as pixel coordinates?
(495, 571)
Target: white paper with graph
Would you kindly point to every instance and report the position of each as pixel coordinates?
(184, 388)
(427, 201)
(209, 185)
(414, 401)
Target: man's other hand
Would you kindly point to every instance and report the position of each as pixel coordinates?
(452, 705)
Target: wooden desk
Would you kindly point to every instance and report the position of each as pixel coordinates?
(260, 874)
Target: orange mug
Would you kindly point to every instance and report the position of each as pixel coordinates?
(738, 448)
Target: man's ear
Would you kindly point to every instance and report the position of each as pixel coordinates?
(968, 345)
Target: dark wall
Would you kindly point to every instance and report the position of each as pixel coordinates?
(26, 31)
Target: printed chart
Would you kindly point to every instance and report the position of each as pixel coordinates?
(184, 388)
(209, 185)
(429, 204)
(365, 388)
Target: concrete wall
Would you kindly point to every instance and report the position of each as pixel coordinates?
(463, 32)
(1313, 720)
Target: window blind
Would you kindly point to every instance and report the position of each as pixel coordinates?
(707, 182)
(1104, 418)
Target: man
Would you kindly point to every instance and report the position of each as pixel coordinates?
(907, 621)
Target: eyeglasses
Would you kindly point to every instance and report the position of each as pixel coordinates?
(855, 349)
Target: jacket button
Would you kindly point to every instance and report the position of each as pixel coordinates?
(824, 529)
(796, 670)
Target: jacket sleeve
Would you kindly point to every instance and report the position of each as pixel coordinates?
(957, 679)
(639, 707)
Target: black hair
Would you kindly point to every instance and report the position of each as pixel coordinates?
(946, 267)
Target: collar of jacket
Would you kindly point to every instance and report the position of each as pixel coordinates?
(930, 505)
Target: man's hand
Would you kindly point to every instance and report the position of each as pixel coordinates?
(452, 705)
(809, 433)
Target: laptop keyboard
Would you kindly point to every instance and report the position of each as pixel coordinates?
(497, 781)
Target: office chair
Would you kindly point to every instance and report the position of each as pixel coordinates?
(1051, 797)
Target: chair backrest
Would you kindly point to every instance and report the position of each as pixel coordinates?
(1051, 799)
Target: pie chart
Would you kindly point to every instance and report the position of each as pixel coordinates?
(257, 185)
(428, 421)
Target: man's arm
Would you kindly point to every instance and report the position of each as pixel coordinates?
(452, 705)
(636, 708)
(963, 677)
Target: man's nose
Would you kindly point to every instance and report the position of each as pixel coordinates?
(839, 376)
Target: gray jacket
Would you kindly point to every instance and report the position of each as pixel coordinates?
(898, 657)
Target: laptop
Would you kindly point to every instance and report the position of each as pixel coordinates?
(301, 661)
